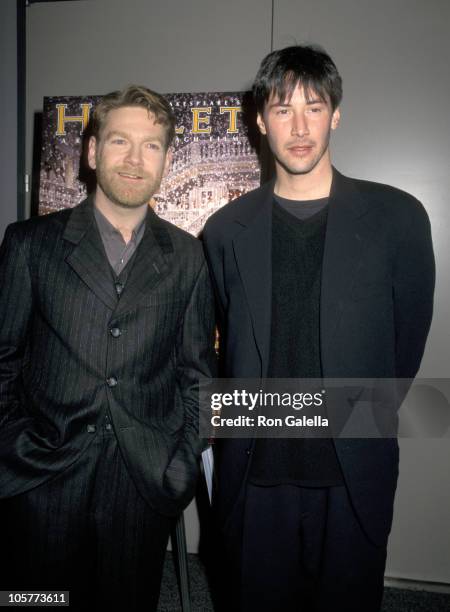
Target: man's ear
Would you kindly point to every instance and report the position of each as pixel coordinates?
(335, 119)
(261, 124)
(92, 148)
(168, 161)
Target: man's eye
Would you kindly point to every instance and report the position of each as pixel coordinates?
(315, 109)
(282, 111)
(118, 141)
(153, 146)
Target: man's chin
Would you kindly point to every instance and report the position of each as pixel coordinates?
(128, 200)
(124, 198)
(299, 169)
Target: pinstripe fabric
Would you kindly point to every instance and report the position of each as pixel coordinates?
(57, 307)
(89, 532)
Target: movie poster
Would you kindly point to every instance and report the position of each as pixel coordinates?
(214, 161)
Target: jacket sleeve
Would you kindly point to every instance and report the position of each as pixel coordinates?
(196, 361)
(15, 314)
(214, 257)
(413, 288)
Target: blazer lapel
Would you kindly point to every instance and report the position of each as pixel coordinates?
(150, 265)
(344, 241)
(252, 251)
(88, 258)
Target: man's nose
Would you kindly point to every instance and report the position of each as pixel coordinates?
(134, 155)
(299, 125)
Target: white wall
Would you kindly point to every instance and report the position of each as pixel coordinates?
(393, 56)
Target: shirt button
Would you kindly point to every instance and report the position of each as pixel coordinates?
(111, 381)
(248, 452)
(115, 332)
(91, 428)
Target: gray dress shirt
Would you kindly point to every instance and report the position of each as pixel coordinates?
(117, 250)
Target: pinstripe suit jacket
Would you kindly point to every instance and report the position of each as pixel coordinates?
(58, 305)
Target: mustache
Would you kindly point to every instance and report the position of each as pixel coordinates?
(138, 172)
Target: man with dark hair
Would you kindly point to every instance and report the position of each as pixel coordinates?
(107, 328)
(316, 275)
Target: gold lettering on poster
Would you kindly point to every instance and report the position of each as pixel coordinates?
(233, 111)
(62, 118)
(201, 116)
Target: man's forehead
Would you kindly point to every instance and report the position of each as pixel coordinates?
(130, 115)
(132, 119)
(308, 93)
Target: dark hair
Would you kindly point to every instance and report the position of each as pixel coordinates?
(135, 95)
(309, 66)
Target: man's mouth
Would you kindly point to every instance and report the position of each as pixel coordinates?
(300, 149)
(131, 176)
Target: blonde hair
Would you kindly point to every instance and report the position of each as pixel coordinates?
(135, 95)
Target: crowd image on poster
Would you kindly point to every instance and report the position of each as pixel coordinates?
(214, 157)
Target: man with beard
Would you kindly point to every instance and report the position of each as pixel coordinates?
(107, 328)
(316, 275)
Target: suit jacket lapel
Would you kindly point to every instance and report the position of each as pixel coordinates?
(252, 250)
(88, 258)
(150, 265)
(344, 242)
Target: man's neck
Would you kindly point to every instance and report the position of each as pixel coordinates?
(125, 220)
(311, 186)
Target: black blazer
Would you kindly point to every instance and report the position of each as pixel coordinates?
(375, 313)
(70, 350)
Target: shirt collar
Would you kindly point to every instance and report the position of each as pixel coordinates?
(106, 228)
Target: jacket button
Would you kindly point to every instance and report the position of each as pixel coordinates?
(119, 288)
(248, 452)
(112, 381)
(91, 428)
(115, 332)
